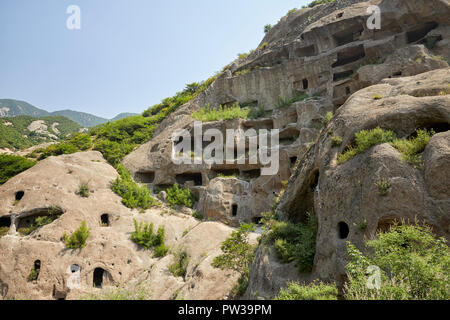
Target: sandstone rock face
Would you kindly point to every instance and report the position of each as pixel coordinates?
(69, 274)
(345, 197)
(326, 51)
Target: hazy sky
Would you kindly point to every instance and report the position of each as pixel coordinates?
(129, 54)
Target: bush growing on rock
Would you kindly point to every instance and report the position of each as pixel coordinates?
(180, 196)
(13, 165)
(145, 237)
(78, 239)
(133, 195)
(413, 263)
(178, 267)
(208, 113)
(314, 291)
(411, 148)
(237, 255)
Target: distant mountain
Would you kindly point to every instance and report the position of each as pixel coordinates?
(25, 131)
(124, 115)
(84, 119)
(12, 108)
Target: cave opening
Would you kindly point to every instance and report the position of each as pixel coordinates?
(104, 218)
(195, 177)
(420, 33)
(234, 210)
(305, 84)
(350, 55)
(98, 277)
(145, 177)
(5, 222)
(19, 195)
(343, 230)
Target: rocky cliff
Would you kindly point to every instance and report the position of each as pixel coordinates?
(396, 78)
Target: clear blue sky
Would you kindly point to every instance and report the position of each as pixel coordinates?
(129, 54)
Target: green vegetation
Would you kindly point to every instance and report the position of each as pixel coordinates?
(410, 149)
(13, 165)
(314, 291)
(377, 97)
(383, 186)
(414, 265)
(41, 221)
(178, 267)
(242, 72)
(197, 215)
(79, 142)
(237, 255)
(317, 2)
(120, 294)
(145, 237)
(133, 195)
(293, 242)
(413, 147)
(177, 195)
(327, 118)
(208, 113)
(257, 112)
(83, 190)
(4, 231)
(78, 239)
(263, 46)
(291, 11)
(14, 133)
(336, 141)
(34, 273)
(267, 28)
(365, 140)
(285, 103)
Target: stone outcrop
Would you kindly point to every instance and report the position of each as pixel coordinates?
(71, 274)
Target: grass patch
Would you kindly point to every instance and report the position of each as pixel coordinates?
(327, 118)
(377, 97)
(257, 112)
(34, 273)
(78, 239)
(208, 113)
(336, 141)
(83, 190)
(4, 231)
(177, 195)
(133, 195)
(412, 148)
(316, 290)
(145, 237)
(364, 141)
(180, 263)
(11, 166)
(285, 103)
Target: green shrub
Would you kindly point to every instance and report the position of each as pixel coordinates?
(83, 190)
(336, 141)
(413, 147)
(237, 255)
(291, 11)
(145, 237)
(133, 195)
(285, 103)
(365, 140)
(178, 267)
(180, 196)
(327, 118)
(257, 112)
(197, 215)
(383, 186)
(414, 265)
(267, 28)
(79, 142)
(34, 273)
(317, 2)
(294, 242)
(207, 113)
(11, 166)
(314, 291)
(78, 239)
